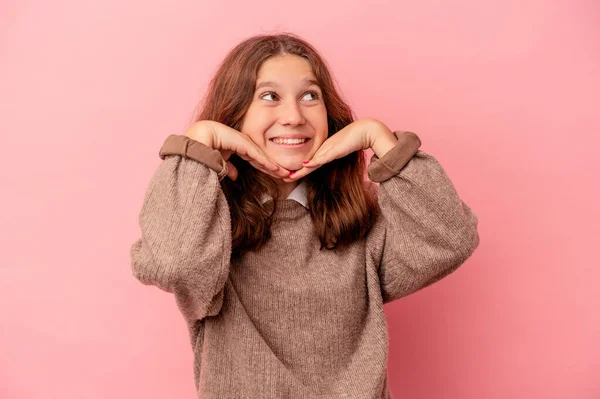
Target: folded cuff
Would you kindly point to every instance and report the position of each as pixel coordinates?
(381, 169)
(186, 147)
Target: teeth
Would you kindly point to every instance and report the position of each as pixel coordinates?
(289, 141)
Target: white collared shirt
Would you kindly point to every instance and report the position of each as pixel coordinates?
(298, 194)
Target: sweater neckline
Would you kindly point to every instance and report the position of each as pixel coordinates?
(288, 209)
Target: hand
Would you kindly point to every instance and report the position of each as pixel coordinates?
(359, 135)
(229, 141)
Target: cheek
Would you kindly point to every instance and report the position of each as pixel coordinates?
(259, 116)
(256, 138)
(254, 126)
(319, 142)
(324, 131)
(319, 123)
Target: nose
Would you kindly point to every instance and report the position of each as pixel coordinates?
(291, 114)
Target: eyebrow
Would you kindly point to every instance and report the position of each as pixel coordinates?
(308, 82)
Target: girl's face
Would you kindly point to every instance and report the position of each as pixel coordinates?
(287, 118)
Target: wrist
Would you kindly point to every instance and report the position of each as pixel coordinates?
(382, 138)
(202, 131)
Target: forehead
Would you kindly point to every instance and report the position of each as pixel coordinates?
(285, 69)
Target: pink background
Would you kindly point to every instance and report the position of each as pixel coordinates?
(504, 94)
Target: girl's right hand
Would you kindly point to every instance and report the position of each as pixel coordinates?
(229, 141)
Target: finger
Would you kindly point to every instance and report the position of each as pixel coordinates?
(335, 147)
(300, 173)
(257, 155)
(226, 154)
(232, 171)
(321, 157)
(281, 172)
(245, 148)
(259, 167)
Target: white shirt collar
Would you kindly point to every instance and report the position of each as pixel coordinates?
(298, 194)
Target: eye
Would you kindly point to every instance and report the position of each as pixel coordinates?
(314, 93)
(269, 93)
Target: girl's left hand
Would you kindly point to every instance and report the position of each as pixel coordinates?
(359, 135)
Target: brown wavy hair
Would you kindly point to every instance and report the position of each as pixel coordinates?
(342, 209)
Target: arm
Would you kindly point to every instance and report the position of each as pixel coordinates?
(425, 231)
(185, 245)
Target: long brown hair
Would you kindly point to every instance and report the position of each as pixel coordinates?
(341, 208)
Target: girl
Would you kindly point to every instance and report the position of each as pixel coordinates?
(280, 256)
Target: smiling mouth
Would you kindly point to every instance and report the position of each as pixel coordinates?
(281, 141)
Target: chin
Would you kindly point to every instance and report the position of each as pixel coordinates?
(289, 164)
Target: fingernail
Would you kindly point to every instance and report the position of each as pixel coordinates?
(305, 162)
(292, 174)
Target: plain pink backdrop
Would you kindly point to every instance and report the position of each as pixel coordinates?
(503, 93)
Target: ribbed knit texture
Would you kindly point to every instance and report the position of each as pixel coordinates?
(291, 320)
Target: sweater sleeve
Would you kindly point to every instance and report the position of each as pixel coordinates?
(425, 231)
(185, 243)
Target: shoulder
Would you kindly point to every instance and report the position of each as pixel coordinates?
(371, 188)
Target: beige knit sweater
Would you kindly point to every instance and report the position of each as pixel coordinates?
(291, 320)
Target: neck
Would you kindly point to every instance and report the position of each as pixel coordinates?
(285, 188)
